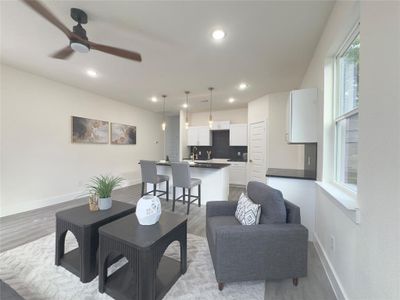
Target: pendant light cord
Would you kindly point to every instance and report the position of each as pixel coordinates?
(211, 98)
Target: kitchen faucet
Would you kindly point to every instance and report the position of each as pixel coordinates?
(194, 155)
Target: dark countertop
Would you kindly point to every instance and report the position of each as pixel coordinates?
(207, 165)
(292, 173)
(238, 159)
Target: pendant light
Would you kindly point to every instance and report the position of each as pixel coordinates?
(210, 120)
(187, 110)
(164, 124)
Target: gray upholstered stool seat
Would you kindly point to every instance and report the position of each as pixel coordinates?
(194, 182)
(162, 178)
(149, 175)
(181, 178)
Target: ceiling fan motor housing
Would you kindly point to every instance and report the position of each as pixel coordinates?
(76, 44)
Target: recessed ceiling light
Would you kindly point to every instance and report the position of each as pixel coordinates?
(243, 86)
(218, 34)
(185, 105)
(91, 73)
(231, 100)
(154, 99)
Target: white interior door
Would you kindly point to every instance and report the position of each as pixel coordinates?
(257, 151)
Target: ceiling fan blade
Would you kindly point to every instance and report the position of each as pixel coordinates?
(64, 53)
(48, 15)
(116, 51)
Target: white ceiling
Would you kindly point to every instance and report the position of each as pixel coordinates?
(268, 45)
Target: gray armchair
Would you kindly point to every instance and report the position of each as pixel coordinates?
(256, 252)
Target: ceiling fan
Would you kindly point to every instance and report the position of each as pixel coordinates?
(78, 40)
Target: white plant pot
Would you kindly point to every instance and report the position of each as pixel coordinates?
(105, 203)
(148, 210)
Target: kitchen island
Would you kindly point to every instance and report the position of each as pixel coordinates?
(214, 180)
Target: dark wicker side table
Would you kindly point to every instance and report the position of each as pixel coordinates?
(148, 274)
(84, 225)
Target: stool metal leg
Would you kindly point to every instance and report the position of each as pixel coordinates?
(188, 205)
(142, 189)
(173, 197)
(199, 189)
(167, 190)
(184, 196)
(154, 189)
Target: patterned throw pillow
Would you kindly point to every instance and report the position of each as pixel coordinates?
(247, 212)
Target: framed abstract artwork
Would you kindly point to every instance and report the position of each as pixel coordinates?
(89, 131)
(123, 134)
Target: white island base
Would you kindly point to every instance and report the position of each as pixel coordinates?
(214, 183)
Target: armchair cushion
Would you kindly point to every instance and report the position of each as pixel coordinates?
(273, 210)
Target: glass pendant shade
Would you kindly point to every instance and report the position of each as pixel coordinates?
(164, 124)
(187, 110)
(210, 120)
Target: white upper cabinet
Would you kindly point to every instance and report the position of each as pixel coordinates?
(220, 125)
(192, 138)
(238, 135)
(302, 116)
(199, 136)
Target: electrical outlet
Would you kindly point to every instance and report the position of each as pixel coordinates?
(333, 244)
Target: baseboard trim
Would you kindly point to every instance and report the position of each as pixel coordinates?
(32, 205)
(329, 270)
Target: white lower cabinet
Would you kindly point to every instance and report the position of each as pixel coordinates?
(238, 173)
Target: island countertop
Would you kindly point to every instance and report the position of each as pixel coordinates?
(205, 165)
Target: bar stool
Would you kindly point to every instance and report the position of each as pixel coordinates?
(149, 175)
(181, 178)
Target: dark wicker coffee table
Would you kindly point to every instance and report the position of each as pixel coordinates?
(84, 225)
(149, 274)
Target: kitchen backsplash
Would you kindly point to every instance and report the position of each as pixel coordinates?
(220, 147)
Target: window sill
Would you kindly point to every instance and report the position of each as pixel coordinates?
(345, 201)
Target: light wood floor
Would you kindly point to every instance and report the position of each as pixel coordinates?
(28, 226)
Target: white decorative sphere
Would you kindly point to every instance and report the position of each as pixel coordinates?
(148, 210)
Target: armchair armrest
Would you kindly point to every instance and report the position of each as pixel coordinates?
(269, 251)
(220, 208)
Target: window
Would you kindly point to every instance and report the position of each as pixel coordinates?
(346, 112)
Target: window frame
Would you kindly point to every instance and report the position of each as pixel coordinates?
(336, 107)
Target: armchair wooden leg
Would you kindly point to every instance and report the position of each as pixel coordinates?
(142, 189)
(154, 189)
(220, 286)
(295, 281)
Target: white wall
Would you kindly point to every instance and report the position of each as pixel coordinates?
(39, 164)
(172, 138)
(183, 148)
(273, 109)
(366, 260)
(236, 116)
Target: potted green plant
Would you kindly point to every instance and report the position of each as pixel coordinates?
(103, 185)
